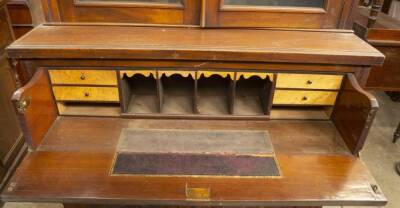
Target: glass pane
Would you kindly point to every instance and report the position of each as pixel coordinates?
(281, 3)
(136, 1)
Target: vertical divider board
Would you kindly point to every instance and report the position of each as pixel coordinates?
(160, 92)
(272, 94)
(125, 92)
(196, 94)
(232, 94)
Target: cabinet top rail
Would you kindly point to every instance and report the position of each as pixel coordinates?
(169, 43)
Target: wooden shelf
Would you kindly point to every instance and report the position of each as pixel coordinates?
(89, 109)
(301, 113)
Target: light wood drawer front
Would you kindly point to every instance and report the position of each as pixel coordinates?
(105, 94)
(83, 77)
(309, 81)
(302, 97)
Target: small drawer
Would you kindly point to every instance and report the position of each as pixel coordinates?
(302, 97)
(104, 94)
(83, 77)
(309, 81)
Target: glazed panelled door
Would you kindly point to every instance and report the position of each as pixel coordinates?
(172, 12)
(277, 13)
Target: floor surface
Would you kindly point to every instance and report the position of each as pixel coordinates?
(379, 154)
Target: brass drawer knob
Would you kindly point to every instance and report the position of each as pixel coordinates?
(309, 82)
(86, 94)
(304, 98)
(83, 77)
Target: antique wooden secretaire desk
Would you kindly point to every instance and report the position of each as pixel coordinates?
(189, 116)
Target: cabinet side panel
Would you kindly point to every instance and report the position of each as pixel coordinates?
(354, 113)
(36, 108)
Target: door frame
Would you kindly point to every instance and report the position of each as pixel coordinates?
(216, 14)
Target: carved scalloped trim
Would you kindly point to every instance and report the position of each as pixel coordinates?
(223, 74)
(131, 73)
(182, 73)
(248, 75)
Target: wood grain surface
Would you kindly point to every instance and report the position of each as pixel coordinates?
(309, 81)
(303, 97)
(77, 93)
(41, 110)
(75, 168)
(334, 14)
(354, 113)
(124, 42)
(83, 77)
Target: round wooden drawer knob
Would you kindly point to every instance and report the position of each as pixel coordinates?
(86, 94)
(304, 98)
(309, 82)
(83, 77)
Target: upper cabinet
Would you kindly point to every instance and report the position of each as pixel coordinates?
(277, 13)
(206, 13)
(172, 12)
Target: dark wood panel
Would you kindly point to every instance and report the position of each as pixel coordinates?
(5, 28)
(218, 65)
(333, 14)
(386, 77)
(79, 147)
(20, 30)
(10, 134)
(19, 13)
(118, 42)
(354, 113)
(36, 108)
(186, 13)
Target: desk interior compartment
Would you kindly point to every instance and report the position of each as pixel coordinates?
(252, 95)
(214, 94)
(88, 109)
(177, 94)
(301, 112)
(140, 93)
